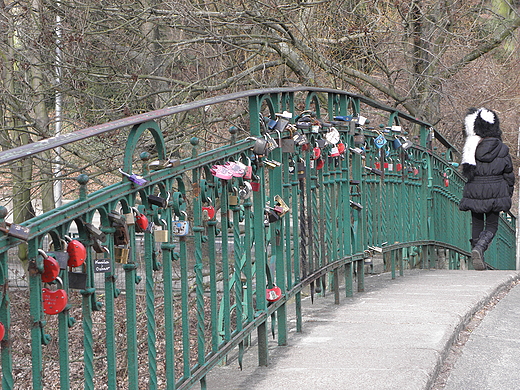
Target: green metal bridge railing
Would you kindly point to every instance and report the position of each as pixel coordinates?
(188, 300)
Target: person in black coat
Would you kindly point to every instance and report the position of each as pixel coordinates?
(488, 168)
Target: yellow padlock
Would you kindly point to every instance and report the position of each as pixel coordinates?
(161, 235)
(121, 254)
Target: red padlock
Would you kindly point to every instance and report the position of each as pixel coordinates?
(273, 294)
(141, 222)
(248, 173)
(2, 331)
(316, 153)
(54, 301)
(77, 253)
(399, 167)
(51, 268)
(210, 210)
(341, 147)
(446, 180)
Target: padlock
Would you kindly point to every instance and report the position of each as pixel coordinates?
(236, 168)
(121, 234)
(316, 153)
(248, 171)
(141, 222)
(271, 215)
(287, 145)
(273, 294)
(446, 180)
(95, 232)
(51, 267)
(356, 205)
(284, 209)
(77, 252)
(209, 211)
(158, 201)
(300, 167)
(233, 197)
(77, 280)
(222, 172)
(359, 139)
(130, 218)
(396, 143)
(121, 254)
(54, 301)
(245, 191)
(375, 171)
(180, 228)
(406, 144)
(136, 179)
(332, 136)
(272, 163)
(260, 146)
(320, 163)
(334, 151)
(380, 141)
(16, 231)
(161, 235)
(2, 331)
(282, 120)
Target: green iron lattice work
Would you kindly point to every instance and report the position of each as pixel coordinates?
(191, 300)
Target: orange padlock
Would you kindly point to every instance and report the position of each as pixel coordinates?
(77, 253)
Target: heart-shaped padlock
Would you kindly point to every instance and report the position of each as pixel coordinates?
(77, 253)
(51, 267)
(141, 222)
(273, 294)
(54, 301)
(210, 210)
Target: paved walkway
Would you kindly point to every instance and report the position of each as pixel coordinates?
(395, 335)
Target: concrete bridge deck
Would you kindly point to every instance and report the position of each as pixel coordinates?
(397, 335)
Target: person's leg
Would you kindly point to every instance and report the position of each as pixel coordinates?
(484, 239)
(492, 219)
(477, 226)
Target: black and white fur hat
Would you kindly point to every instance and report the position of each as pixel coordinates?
(478, 123)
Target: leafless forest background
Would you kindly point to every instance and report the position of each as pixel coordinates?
(95, 61)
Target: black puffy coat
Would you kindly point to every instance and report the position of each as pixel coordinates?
(493, 180)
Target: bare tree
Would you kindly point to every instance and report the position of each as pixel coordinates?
(125, 57)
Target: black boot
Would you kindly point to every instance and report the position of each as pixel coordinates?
(477, 254)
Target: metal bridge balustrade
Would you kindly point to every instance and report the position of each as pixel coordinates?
(166, 312)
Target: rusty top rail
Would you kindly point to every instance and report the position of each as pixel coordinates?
(64, 139)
